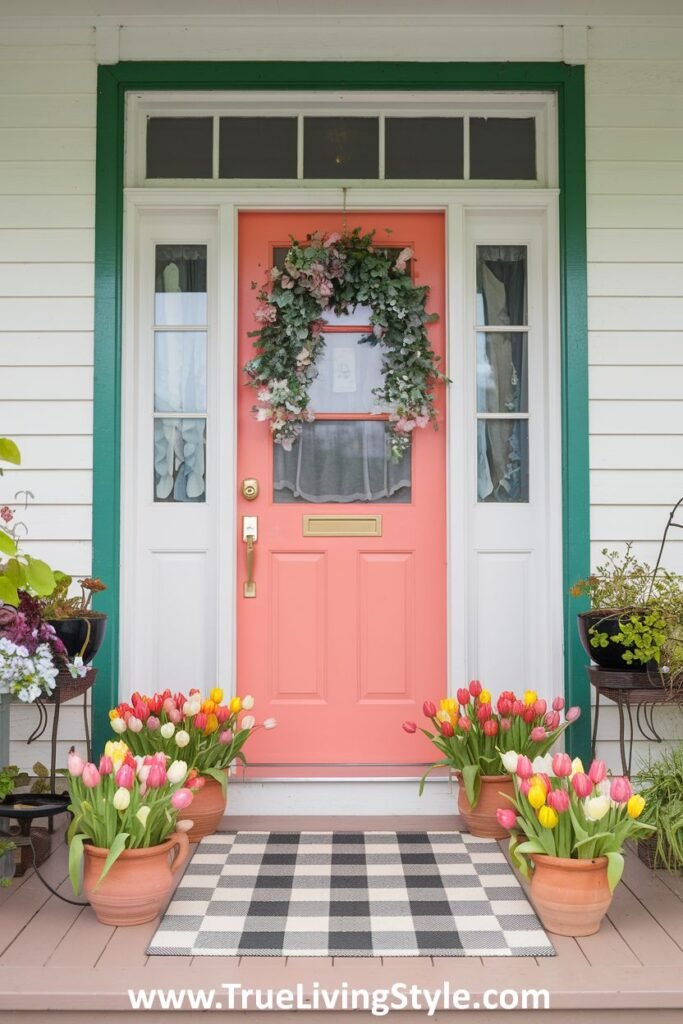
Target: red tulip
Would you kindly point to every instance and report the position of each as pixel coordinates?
(538, 734)
(475, 687)
(558, 799)
(506, 817)
(597, 772)
(490, 727)
(528, 714)
(464, 723)
(504, 706)
(517, 708)
(463, 696)
(582, 784)
(484, 712)
(572, 714)
(106, 765)
(90, 776)
(524, 767)
(429, 708)
(410, 727)
(222, 713)
(447, 729)
(125, 776)
(541, 706)
(562, 765)
(505, 725)
(620, 791)
(200, 720)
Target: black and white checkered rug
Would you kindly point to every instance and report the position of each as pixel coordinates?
(349, 894)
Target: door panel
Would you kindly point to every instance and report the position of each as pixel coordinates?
(346, 635)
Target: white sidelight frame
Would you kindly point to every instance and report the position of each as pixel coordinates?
(188, 214)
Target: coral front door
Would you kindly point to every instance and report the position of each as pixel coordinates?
(345, 632)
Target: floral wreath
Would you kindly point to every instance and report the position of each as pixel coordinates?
(338, 272)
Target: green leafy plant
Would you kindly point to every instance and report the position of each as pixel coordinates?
(12, 779)
(662, 786)
(60, 604)
(20, 571)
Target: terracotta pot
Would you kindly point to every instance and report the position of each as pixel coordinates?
(571, 896)
(481, 820)
(206, 810)
(137, 886)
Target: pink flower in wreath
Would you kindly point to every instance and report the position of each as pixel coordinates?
(7, 513)
(403, 257)
(266, 313)
(331, 239)
(263, 414)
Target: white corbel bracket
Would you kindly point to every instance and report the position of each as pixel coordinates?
(107, 44)
(575, 44)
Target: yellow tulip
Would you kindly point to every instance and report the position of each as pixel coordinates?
(216, 695)
(447, 704)
(536, 796)
(530, 697)
(635, 805)
(235, 705)
(548, 817)
(443, 716)
(537, 780)
(211, 725)
(577, 766)
(485, 697)
(113, 714)
(208, 707)
(117, 751)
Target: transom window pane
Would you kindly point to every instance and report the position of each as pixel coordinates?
(258, 147)
(503, 147)
(341, 147)
(180, 285)
(423, 147)
(179, 147)
(501, 285)
(502, 373)
(341, 461)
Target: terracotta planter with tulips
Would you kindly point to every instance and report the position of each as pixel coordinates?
(473, 736)
(208, 733)
(568, 829)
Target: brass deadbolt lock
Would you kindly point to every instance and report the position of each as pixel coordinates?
(250, 489)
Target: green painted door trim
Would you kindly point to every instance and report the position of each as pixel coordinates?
(113, 83)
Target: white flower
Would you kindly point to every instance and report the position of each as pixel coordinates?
(143, 772)
(510, 759)
(134, 724)
(577, 766)
(77, 669)
(543, 765)
(269, 723)
(247, 702)
(176, 771)
(142, 815)
(248, 722)
(596, 807)
(121, 799)
(167, 730)
(182, 738)
(118, 725)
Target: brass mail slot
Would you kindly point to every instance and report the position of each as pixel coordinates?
(342, 526)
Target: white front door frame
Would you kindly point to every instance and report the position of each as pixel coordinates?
(157, 212)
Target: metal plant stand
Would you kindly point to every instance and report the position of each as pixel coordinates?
(66, 689)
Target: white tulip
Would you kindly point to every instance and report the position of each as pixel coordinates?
(182, 738)
(118, 725)
(510, 759)
(176, 771)
(247, 702)
(167, 730)
(248, 722)
(121, 799)
(596, 807)
(269, 723)
(142, 815)
(183, 826)
(143, 772)
(134, 724)
(577, 766)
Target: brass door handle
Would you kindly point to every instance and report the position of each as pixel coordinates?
(250, 536)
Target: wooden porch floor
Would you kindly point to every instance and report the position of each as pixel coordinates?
(58, 957)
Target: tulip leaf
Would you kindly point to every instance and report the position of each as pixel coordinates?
(438, 764)
(592, 839)
(471, 776)
(220, 775)
(76, 860)
(615, 869)
(115, 851)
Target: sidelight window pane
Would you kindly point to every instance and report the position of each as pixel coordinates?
(503, 460)
(180, 371)
(179, 459)
(179, 147)
(258, 147)
(341, 147)
(501, 285)
(180, 285)
(503, 147)
(502, 373)
(423, 147)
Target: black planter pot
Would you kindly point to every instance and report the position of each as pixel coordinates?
(74, 633)
(611, 657)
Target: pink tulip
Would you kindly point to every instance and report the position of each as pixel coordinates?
(463, 696)
(106, 765)
(410, 727)
(156, 777)
(484, 712)
(90, 776)
(429, 708)
(200, 720)
(562, 765)
(168, 706)
(447, 729)
(222, 713)
(181, 799)
(620, 791)
(524, 767)
(75, 764)
(525, 786)
(597, 772)
(505, 725)
(558, 703)
(134, 723)
(506, 817)
(582, 784)
(552, 720)
(153, 723)
(175, 716)
(490, 728)
(545, 779)
(226, 736)
(540, 707)
(558, 799)
(572, 714)
(125, 776)
(517, 708)
(538, 734)
(464, 723)
(475, 687)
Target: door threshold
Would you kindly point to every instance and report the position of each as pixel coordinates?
(375, 797)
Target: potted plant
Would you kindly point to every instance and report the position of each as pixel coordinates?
(635, 622)
(474, 738)
(125, 837)
(31, 653)
(662, 786)
(568, 829)
(210, 735)
(80, 628)
(8, 779)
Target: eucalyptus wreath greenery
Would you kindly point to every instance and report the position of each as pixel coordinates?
(338, 272)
